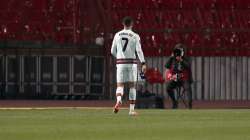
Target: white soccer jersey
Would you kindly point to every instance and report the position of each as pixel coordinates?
(125, 46)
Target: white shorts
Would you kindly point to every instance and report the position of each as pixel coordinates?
(126, 74)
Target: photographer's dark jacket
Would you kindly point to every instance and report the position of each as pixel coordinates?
(183, 67)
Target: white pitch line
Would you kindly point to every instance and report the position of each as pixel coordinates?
(53, 108)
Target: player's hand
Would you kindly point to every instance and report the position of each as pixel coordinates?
(144, 68)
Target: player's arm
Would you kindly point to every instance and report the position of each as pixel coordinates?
(113, 48)
(140, 54)
(168, 74)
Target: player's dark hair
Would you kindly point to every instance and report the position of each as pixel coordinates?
(127, 21)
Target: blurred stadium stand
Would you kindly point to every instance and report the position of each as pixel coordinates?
(209, 28)
(202, 25)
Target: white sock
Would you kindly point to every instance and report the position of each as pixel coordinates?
(118, 99)
(131, 107)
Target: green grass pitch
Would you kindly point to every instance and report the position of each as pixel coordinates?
(102, 124)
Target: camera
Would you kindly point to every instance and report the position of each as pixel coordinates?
(178, 52)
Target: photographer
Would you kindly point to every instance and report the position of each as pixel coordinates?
(178, 74)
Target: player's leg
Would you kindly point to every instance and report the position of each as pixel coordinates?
(188, 92)
(119, 95)
(120, 88)
(132, 90)
(119, 92)
(132, 98)
(171, 85)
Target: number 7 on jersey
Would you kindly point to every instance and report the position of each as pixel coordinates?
(125, 44)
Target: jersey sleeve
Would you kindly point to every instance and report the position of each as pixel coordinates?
(139, 50)
(114, 47)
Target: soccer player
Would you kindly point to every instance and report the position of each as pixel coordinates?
(126, 47)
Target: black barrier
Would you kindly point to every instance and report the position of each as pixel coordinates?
(1, 69)
(30, 69)
(13, 76)
(80, 65)
(79, 89)
(79, 75)
(13, 69)
(63, 67)
(46, 69)
(30, 76)
(63, 75)
(2, 81)
(150, 102)
(46, 76)
(46, 90)
(96, 75)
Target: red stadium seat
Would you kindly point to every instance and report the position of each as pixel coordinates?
(188, 21)
(153, 76)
